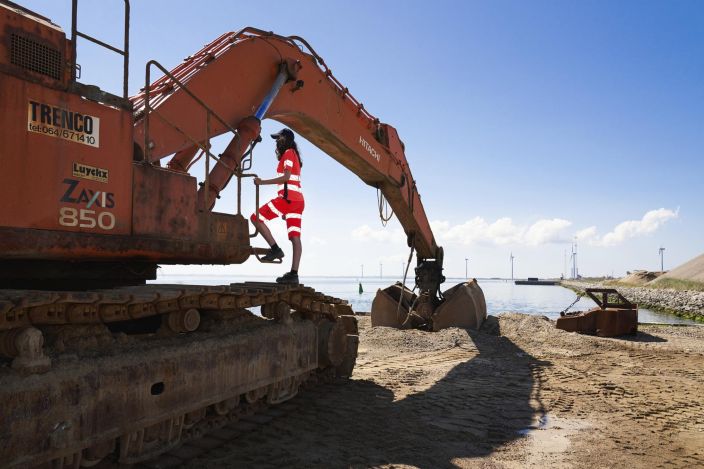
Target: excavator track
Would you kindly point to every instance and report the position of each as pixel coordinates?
(127, 374)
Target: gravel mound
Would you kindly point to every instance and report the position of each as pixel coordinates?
(417, 341)
(639, 277)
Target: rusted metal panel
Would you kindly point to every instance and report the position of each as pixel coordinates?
(229, 244)
(67, 161)
(609, 322)
(75, 405)
(164, 203)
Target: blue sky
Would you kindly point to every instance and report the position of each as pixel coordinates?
(525, 123)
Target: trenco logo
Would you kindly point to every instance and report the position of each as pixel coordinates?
(375, 154)
(62, 123)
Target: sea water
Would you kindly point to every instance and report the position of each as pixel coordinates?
(501, 295)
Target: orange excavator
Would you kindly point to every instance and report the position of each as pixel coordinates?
(96, 362)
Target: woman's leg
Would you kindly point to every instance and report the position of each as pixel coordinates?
(297, 250)
(265, 231)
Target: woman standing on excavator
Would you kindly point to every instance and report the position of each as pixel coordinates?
(288, 204)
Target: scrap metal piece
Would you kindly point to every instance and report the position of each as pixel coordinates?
(613, 316)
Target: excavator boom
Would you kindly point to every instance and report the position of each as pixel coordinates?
(295, 86)
(239, 69)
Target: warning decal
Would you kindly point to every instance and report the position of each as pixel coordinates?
(54, 121)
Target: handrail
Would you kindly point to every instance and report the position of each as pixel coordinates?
(75, 33)
(204, 146)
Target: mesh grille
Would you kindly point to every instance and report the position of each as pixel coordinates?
(36, 57)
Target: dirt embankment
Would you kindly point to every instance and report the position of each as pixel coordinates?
(638, 278)
(684, 303)
(517, 394)
(692, 271)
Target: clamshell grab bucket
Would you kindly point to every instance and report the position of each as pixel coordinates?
(463, 306)
(385, 308)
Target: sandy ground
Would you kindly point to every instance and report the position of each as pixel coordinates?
(517, 394)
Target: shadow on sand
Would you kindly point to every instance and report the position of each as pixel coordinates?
(475, 408)
(641, 337)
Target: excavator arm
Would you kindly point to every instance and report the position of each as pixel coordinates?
(237, 70)
(243, 77)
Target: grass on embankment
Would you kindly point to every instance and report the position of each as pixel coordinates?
(660, 283)
(676, 284)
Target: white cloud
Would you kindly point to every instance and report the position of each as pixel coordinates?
(650, 222)
(367, 233)
(477, 230)
(588, 235)
(504, 231)
(548, 231)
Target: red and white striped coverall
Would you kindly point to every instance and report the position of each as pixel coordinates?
(289, 203)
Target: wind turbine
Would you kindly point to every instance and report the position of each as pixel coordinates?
(662, 255)
(573, 259)
(512, 258)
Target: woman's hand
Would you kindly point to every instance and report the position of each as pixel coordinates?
(257, 181)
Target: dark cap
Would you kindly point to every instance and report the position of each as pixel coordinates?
(285, 133)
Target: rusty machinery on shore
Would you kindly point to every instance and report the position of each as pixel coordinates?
(614, 315)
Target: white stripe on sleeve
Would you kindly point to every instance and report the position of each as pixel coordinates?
(293, 215)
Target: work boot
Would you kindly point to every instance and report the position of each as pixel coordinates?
(272, 254)
(288, 278)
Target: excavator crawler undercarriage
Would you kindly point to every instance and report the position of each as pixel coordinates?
(129, 373)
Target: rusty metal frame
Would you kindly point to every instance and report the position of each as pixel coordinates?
(205, 147)
(603, 301)
(239, 198)
(125, 52)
